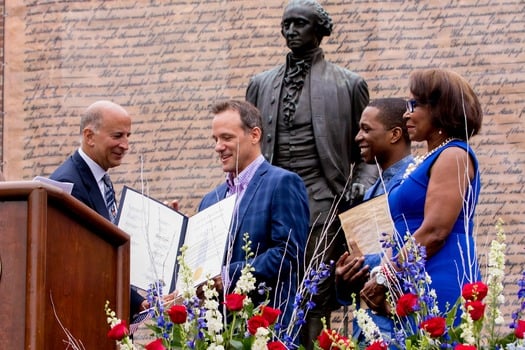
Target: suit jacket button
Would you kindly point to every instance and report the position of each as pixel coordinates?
(273, 100)
(270, 118)
(269, 137)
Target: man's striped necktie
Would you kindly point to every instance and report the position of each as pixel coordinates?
(109, 194)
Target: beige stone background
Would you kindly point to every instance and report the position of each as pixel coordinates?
(167, 61)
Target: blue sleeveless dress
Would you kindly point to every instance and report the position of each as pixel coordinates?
(456, 263)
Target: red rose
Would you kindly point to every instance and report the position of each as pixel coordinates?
(406, 304)
(324, 339)
(178, 314)
(234, 302)
(255, 322)
(435, 326)
(119, 331)
(474, 291)
(465, 347)
(276, 345)
(520, 329)
(476, 309)
(377, 345)
(156, 345)
(270, 314)
(327, 338)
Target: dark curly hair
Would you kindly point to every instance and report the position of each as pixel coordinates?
(324, 22)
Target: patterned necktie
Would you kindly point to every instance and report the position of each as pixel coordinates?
(234, 186)
(109, 195)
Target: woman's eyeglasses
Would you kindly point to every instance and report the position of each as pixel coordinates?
(411, 104)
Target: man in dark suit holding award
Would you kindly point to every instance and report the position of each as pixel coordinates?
(271, 206)
(311, 110)
(105, 128)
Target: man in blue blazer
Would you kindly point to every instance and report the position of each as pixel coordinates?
(271, 206)
(105, 128)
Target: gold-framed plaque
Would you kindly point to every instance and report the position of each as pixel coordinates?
(367, 223)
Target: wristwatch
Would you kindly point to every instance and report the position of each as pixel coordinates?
(377, 273)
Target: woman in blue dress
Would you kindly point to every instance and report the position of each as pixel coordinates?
(436, 201)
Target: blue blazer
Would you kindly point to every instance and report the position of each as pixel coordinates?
(274, 212)
(85, 188)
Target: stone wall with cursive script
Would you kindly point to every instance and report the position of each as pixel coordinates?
(167, 61)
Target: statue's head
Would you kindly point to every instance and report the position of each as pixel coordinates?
(304, 24)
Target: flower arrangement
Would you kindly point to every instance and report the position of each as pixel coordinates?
(118, 329)
(479, 306)
(420, 325)
(198, 323)
(329, 339)
(203, 322)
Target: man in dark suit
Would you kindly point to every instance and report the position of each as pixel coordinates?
(311, 110)
(105, 128)
(271, 206)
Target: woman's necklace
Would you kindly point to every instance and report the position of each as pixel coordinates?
(419, 159)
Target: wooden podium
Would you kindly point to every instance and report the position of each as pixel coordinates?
(60, 262)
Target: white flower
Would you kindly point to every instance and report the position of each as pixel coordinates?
(247, 301)
(499, 320)
(467, 326)
(370, 329)
(246, 282)
(215, 347)
(123, 346)
(214, 321)
(209, 291)
(428, 279)
(187, 283)
(262, 332)
(261, 339)
(517, 345)
(211, 304)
